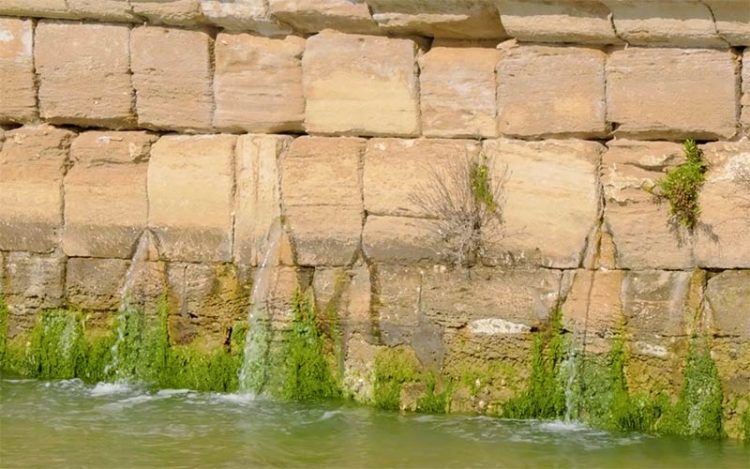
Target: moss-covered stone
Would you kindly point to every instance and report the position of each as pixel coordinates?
(394, 367)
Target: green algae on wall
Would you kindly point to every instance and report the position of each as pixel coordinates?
(394, 367)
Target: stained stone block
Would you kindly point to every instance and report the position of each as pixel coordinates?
(173, 12)
(95, 284)
(311, 16)
(17, 88)
(32, 282)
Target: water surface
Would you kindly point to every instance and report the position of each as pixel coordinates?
(70, 424)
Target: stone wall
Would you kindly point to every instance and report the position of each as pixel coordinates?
(193, 126)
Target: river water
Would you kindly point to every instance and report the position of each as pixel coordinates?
(70, 424)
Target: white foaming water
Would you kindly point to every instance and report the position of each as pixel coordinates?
(108, 389)
(253, 373)
(140, 256)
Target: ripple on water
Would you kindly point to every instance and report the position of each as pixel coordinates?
(108, 389)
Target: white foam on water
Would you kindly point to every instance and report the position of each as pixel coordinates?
(560, 426)
(329, 414)
(234, 398)
(129, 402)
(173, 392)
(108, 389)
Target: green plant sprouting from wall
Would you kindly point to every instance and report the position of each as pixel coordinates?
(394, 367)
(3, 327)
(544, 396)
(681, 187)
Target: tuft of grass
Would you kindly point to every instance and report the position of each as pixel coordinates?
(434, 401)
(681, 187)
(394, 367)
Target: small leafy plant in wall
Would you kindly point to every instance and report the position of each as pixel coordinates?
(681, 187)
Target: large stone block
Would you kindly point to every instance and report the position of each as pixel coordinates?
(403, 240)
(723, 237)
(732, 20)
(190, 194)
(311, 16)
(95, 284)
(87, 82)
(745, 93)
(639, 224)
(172, 78)
(686, 23)
(457, 86)
(36, 8)
(563, 84)
(106, 204)
(655, 305)
(258, 198)
(258, 83)
(322, 198)
(17, 88)
(103, 10)
(32, 165)
(728, 298)
(549, 199)
(243, 15)
(577, 21)
(648, 95)
(476, 19)
(361, 85)
(32, 282)
(174, 12)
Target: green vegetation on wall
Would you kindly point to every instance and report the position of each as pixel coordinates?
(394, 367)
(681, 186)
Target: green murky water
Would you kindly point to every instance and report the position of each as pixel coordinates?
(70, 424)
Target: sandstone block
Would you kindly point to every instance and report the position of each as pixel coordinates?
(32, 282)
(87, 82)
(397, 172)
(732, 20)
(190, 193)
(577, 21)
(360, 85)
(36, 8)
(32, 165)
(654, 303)
(593, 308)
(549, 200)
(172, 78)
(563, 84)
(403, 240)
(243, 15)
(106, 204)
(258, 198)
(745, 93)
(686, 23)
(17, 88)
(95, 284)
(439, 18)
(649, 97)
(490, 301)
(322, 198)
(174, 12)
(397, 307)
(639, 225)
(258, 83)
(723, 237)
(728, 296)
(457, 87)
(311, 16)
(103, 10)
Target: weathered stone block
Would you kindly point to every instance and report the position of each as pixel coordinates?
(577, 21)
(403, 240)
(103, 10)
(106, 204)
(258, 198)
(243, 15)
(686, 23)
(399, 174)
(311, 16)
(209, 301)
(439, 18)
(32, 165)
(563, 84)
(190, 194)
(32, 282)
(728, 296)
(360, 85)
(17, 88)
(745, 93)
(174, 12)
(639, 225)
(258, 83)
(36, 8)
(655, 305)
(457, 86)
(172, 78)
(648, 95)
(549, 199)
(322, 198)
(732, 20)
(87, 82)
(723, 238)
(95, 284)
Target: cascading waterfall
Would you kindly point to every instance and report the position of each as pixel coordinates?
(254, 371)
(126, 310)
